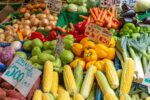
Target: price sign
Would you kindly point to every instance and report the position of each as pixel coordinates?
(21, 74)
(98, 34)
(146, 80)
(54, 5)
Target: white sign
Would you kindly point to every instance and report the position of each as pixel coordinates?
(146, 80)
(21, 74)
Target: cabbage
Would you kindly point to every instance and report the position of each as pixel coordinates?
(142, 5)
(82, 9)
(72, 8)
(71, 1)
(92, 3)
(80, 2)
(65, 6)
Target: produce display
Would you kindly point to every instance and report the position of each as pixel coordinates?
(74, 65)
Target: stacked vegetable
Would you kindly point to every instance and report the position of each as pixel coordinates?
(75, 6)
(90, 53)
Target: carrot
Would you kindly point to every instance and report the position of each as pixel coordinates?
(64, 27)
(89, 19)
(92, 13)
(92, 19)
(95, 10)
(104, 15)
(113, 10)
(84, 17)
(110, 22)
(61, 29)
(99, 23)
(100, 14)
(71, 26)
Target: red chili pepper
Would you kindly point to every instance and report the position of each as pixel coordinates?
(52, 35)
(79, 37)
(75, 33)
(37, 35)
(80, 27)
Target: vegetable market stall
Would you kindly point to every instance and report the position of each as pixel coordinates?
(85, 52)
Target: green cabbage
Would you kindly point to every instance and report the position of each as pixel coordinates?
(92, 3)
(65, 6)
(82, 9)
(72, 8)
(80, 2)
(71, 1)
(142, 5)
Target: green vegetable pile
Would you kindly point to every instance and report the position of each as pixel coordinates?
(42, 52)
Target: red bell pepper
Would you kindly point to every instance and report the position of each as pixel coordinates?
(79, 37)
(38, 35)
(80, 27)
(52, 35)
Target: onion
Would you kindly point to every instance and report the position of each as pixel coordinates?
(34, 21)
(27, 15)
(32, 16)
(46, 11)
(27, 22)
(26, 32)
(53, 24)
(15, 27)
(14, 21)
(55, 18)
(16, 45)
(10, 38)
(8, 27)
(34, 29)
(2, 36)
(1, 30)
(41, 27)
(41, 16)
(1, 40)
(44, 22)
(50, 17)
(26, 27)
(48, 28)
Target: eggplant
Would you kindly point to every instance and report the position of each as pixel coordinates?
(146, 20)
(130, 13)
(129, 20)
(125, 7)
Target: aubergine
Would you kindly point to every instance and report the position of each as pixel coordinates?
(146, 20)
(125, 7)
(129, 20)
(128, 14)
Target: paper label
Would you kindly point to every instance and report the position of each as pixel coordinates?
(146, 80)
(54, 5)
(21, 74)
(98, 34)
(59, 46)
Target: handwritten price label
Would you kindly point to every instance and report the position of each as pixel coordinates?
(21, 74)
(146, 80)
(98, 34)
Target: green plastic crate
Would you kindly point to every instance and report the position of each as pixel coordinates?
(65, 18)
(141, 16)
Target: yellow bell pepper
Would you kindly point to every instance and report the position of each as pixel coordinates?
(101, 50)
(89, 45)
(97, 64)
(111, 53)
(74, 63)
(77, 49)
(88, 64)
(84, 40)
(90, 55)
(112, 43)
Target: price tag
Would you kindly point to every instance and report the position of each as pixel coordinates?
(146, 80)
(59, 46)
(21, 74)
(54, 5)
(98, 34)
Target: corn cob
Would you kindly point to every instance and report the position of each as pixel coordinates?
(148, 98)
(78, 75)
(92, 93)
(54, 87)
(47, 76)
(103, 83)
(37, 95)
(110, 96)
(125, 97)
(111, 74)
(60, 89)
(127, 76)
(77, 96)
(47, 96)
(119, 72)
(69, 80)
(88, 81)
(64, 95)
